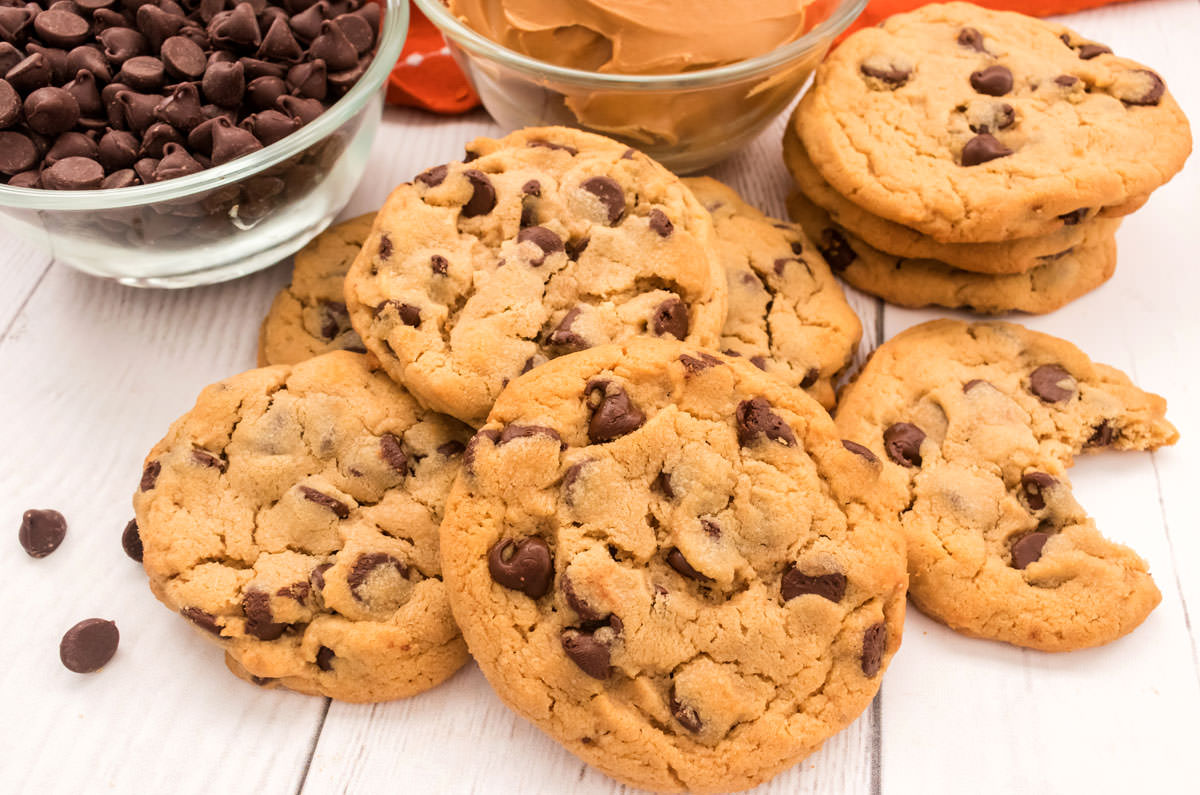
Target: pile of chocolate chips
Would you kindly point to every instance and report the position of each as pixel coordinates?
(113, 93)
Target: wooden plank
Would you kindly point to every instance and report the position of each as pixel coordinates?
(1120, 718)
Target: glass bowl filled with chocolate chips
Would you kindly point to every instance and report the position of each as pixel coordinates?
(180, 142)
(688, 84)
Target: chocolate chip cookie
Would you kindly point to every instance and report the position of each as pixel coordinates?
(292, 516)
(309, 316)
(787, 314)
(971, 125)
(670, 562)
(922, 282)
(546, 242)
(977, 424)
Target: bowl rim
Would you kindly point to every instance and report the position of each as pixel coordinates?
(842, 15)
(393, 32)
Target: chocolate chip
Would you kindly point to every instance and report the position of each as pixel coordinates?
(230, 143)
(409, 315)
(60, 28)
(176, 162)
(974, 382)
(10, 104)
(1151, 85)
(73, 173)
(982, 148)
(1074, 217)
(1033, 486)
(671, 317)
(1066, 80)
(309, 79)
(835, 250)
(31, 73)
(385, 246)
(137, 110)
(333, 47)
(860, 450)
(122, 178)
(439, 265)
(796, 583)
(662, 484)
(902, 442)
(41, 532)
(51, 110)
(874, 645)
(432, 177)
(490, 434)
(661, 224)
(892, 77)
(710, 528)
(451, 448)
(157, 24)
(523, 565)
(317, 576)
(229, 29)
(307, 23)
(325, 501)
(142, 73)
(693, 365)
(1027, 549)
(1090, 51)
(759, 361)
(810, 378)
(755, 419)
(259, 621)
(677, 561)
(392, 451)
(131, 541)
(483, 194)
(576, 247)
(569, 478)
(971, 38)
(686, 716)
(578, 604)
(71, 144)
(118, 149)
(556, 147)
(262, 92)
(224, 84)
(366, 565)
(995, 81)
(563, 337)
(207, 459)
(613, 414)
(592, 656)
(203, 619)
(279, 43)
(543, 238)
(155, 139)
(610, 194)
(89, 645)
(325, 658)
(515, 431)
(1047, 383)
(121, 44)
(1102, 436)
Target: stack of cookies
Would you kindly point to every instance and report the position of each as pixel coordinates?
(977, 159)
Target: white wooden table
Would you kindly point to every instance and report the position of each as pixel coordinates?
(92, 373)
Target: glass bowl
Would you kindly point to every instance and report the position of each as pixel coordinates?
(686, 121)
(225, 221)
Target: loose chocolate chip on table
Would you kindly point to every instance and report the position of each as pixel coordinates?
(874, 645)
(131, 541)
(860, 450)
(685, 715)
(835, 250)
(1027, 549)
(971, 38)
(902, 442)
(73, 173)
(1033, 486)
(995, 81)
(483, 194)
(366, 565)
(796, 583)
(42, 530)
(677, 561)
(393, 452)
(523, 565)
(660, 223)
(325, 501)
(259, 621)
(613, 414)
(88, 645)
(671, 317)
(755, 418)
(982, 148)
(610, 194)
(592, 656)
(544, 239)
(1047, 383)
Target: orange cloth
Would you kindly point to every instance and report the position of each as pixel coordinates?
(427, 77)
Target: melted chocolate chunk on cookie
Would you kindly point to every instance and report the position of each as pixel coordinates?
(325, 658)
(392, 451)
(677, 561)
(207, 459)
(576, 247)
(613, 413)
(385, 246)
(995, 81)
(89, 645)
(317, 576)
(591, 655)
(796, 583)
(523, 565)
(662, 485)
(755, 419)
(297, 591)
(578, 603)
(203, 619)
(1074, 217)
(572, 151)
(259, 621)
(686, 716)
(1089, 51)
(569, 479)
(335, 318)
(368, 564)
(1066, 81)
(532, 188)
(340, 509)
(982, 148)
(986, 117)
(1139, 87)
(610, 194)
(490, 434)
(432, 177)
(693, 365)
(835, 250)
(563, 337)
(1102, 436)
(810, 378)
(874, 645)
(1047, 383)
(1027, 549)
(660, 223)
(439, 265)
(976, 382)
(409, 315)
(759, 361)
(671, 317)
(483, 194)
(41, 532)
(890, 74)
(972, 39)
(131, 541)
(902, 442)
(860, 450)
(544, 239)
(1033, 486)
(515, 431)
(150, 476)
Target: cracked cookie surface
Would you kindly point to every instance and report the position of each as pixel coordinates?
(309, 317)
(787, 314)
(670, 562)
(925, 282)
(977, 425)
(292, 516)
(971, 125)
(548, 241)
